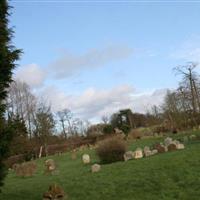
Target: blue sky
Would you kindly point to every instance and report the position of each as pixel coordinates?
(86, 52)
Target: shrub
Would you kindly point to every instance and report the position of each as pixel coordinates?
(125, 128)
(111, 150)
(160, 129)
(108, 129)
(135, 134)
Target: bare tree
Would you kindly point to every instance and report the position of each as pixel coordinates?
(66, 119)
(190, 77)
(105, 119)
(21, 102)
(61, 118)
(182, 106)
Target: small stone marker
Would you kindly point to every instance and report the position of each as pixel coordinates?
(172, 147)
(147, 151)
(128, 155)
(168, 141)
(86, 159)
(180, 146)
(160, 148)
(138, 153)
(154, 151)
(55, 192)
(50, 166)
(146, 148)
(166, 148)
(26, 169)
(95, 168)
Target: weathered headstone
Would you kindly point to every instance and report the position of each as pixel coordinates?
(172, 147)
(25, 169)
(147, 151)
(95, 168)
(154, 151)
(55, 192)
(180, 146)
(138, 153)
(50, 166)
(160, 148)
(168, 141)
(128, 155)
(176, 142)
(86, 159)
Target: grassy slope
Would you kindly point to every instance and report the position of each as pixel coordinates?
(173, 175)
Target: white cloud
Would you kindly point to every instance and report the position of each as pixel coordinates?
(93, 103)
(69, 64)
(32, 74)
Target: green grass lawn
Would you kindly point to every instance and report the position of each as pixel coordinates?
(172, 175)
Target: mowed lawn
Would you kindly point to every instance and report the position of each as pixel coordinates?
(172, 175)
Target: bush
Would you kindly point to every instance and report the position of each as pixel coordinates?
(108, 129)
(135, 134)
(125, 128)
(111, 150)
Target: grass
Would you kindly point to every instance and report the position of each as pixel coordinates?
(168, 176)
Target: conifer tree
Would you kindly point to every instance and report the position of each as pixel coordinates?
(8, 56)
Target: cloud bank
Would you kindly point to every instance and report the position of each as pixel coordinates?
(93, 103)
(69, 64)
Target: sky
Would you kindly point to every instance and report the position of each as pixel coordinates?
(96, 57)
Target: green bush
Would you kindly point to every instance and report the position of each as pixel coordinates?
(111, 150)
(125, 128)
(108, 129)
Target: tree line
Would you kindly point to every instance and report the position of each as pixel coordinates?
(180, 109)
(39, 122)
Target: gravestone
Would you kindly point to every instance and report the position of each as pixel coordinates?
(95, 168)
(86, 159)
(128, 155)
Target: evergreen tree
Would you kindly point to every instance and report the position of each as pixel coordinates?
(8, 55)
(20, 142)
(45, 124)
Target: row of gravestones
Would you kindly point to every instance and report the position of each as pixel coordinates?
(168, 145)
(27, 169)
(56, 192)
(86, 160)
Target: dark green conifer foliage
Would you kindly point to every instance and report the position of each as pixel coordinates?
(8, 55)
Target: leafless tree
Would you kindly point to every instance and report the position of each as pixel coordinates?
(65, 117)
(105, 119)
(190, 78)
(21, 102)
